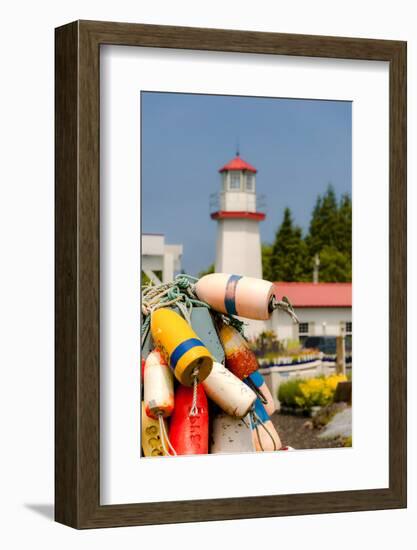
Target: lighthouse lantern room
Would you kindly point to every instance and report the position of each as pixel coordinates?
(238, 240)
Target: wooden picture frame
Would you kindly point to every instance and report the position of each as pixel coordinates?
(77, 373)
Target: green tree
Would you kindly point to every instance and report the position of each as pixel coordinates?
(330, 236)
(335, 266)
(343, 232)
(324, 221)
(289, 258)
(266, 261)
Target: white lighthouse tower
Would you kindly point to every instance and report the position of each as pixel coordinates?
(238, 240)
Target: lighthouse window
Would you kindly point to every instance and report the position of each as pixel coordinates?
(250, 182)
(235, 181)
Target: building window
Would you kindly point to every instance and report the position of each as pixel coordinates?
(250, 182)
(235, 180)
(303, 328)
(349, 327)
(303, 332)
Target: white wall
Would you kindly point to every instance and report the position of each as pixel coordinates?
(238, 247)
(331, 316)
(26, 218)
(238, 201)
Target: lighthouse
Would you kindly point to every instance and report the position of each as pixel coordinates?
(238, 248)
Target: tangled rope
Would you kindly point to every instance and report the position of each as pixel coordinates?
(179, 293)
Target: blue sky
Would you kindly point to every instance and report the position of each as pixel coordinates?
(297, 146)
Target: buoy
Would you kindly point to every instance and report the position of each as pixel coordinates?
(151, 435)
(265, 436)
(188, 432)
(186, 353)
(158, 386)
(228, 392)
(258, 380)
(237, 295)
(240, 359)
(159, 394)
(203, 325)
(231, 435)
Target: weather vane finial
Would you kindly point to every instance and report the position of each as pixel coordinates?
(237, 147)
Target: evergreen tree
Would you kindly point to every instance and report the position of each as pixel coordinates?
(330, 236)
(335, 266)
(266, 261)
(324, 222)
(343, 232)
(289, 258)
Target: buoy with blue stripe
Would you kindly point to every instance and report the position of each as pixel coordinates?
(240, 359)
(159, 394)
(258, 380)
(151, 435)
(187, 355)
(236, 295)
(228, 392)
(265, 436)
(189, 425)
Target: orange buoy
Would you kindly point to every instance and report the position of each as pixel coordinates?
(240, 359)
(237, 295)
(158, 386)
(151, 435)
(188, 433)
(186, 353)
(228, 391)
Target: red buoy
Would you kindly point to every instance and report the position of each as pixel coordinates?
(189, 433)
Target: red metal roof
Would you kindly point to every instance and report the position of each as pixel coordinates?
(316, 294)
(238, 164)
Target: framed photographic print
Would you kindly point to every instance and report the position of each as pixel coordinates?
(230, 274)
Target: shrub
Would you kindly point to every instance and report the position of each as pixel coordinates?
(301, 393)
(288, 391)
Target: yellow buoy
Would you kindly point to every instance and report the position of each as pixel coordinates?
(186, 353)
(151, 435)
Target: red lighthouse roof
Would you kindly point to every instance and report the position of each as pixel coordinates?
(238, 164)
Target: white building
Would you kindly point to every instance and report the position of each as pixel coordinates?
(238, 247)
(322, 309)
(159, 258)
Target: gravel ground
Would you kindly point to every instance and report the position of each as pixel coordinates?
(297, 432)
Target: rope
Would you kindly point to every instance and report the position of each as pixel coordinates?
(179, 293)
(165, 438)
(256, 422)
(284, 305)
(194, 408)
(257, 391)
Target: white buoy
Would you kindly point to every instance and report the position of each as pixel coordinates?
(236, 295)
(228, 392)
(158, 386)
(231, 435)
